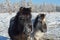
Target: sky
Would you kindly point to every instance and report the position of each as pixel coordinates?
(55, 2)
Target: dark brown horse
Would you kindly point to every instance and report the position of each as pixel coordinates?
(20, 25)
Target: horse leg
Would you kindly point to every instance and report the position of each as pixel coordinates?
(24, 36)
(13, 38)
(17, 37)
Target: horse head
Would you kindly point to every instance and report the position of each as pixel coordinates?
(41, 17)
(40, 24)
(24, 18)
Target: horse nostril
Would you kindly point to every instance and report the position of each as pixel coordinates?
(30, 26)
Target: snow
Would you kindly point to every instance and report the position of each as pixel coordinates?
(53, 26)
(4, 23)
(52, 21)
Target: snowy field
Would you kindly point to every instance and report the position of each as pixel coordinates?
(52, 21)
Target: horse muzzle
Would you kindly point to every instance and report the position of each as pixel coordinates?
(28, 28)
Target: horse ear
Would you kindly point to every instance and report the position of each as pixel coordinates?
(21, 8)
(30, 8)
(45, 14)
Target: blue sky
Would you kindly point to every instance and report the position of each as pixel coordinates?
(55, 2)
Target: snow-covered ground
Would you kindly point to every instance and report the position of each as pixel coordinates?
(53, 25)
(52, 21)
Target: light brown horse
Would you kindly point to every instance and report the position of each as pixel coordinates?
(39, 27)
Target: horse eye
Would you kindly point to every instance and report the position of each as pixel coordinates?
(28, 16)
(39, 19)
(21, 18)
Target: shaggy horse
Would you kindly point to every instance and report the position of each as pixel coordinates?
(40, 25)
(20, 25)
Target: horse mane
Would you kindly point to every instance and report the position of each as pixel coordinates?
(36, 19)
(35, 22)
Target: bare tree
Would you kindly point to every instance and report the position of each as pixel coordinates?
(9, 6)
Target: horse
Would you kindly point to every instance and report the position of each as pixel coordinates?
(20, 25)
(39, 26)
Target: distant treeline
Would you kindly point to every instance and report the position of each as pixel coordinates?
(35, 8)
